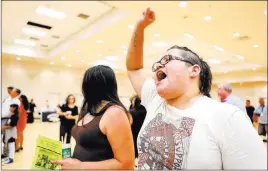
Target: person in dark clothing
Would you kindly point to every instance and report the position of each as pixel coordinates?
(138, 113)
(103, 133)
(68, 116)
(30, 113)
(250, 110)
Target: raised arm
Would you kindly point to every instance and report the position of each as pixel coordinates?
(134, 62)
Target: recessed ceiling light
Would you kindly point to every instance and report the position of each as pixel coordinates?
(99, 54)
(253, 69)
(125, 52)
(78, 51)
(62, 58)
(240, 57)
(112, 58)
(265, 12)
(82, 60)
(51, 63)
(50, 12)
(159, 44)
(207, 18)
(25, 42)
(18, 58)
(183, 4)
(131, 27)
(30, 31)
(69, 65)
(255, 46)
(188, 35)
(123, 46)
(214, 61)
(236, 34)
(99, 41)
(218, 48)
(156, 35)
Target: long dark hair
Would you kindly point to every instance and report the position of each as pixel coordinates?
(99, 84)
(25, 102)
(205, 80)
(16, 111)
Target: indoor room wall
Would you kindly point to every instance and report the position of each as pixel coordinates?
(53, 83)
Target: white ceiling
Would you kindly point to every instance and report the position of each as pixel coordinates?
(109, 22)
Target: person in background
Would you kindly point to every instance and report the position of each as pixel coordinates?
(103, 132)
(138, 113)
(24, 106)
(10, 135)
(9, 90)
(13, 99)
(31, 112)
(68, 116)
(250, 110)
(261, 112)
(225, 94)
(184, 128)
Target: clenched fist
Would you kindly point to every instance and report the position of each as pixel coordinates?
(147, 18)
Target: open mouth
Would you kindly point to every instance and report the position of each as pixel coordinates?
(161, 75)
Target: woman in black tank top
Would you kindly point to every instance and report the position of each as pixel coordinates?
(103, 132)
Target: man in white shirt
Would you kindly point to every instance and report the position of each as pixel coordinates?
(9, 90)
(13, 99)
(183, 128)
(225, 94)
(261, 112)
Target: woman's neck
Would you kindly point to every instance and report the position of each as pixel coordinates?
(185, 101)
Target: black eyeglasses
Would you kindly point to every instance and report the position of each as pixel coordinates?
(164, 60)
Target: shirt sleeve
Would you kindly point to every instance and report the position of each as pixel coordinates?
(75, 111)
(148, 92)
(241, 146)
(257, 111)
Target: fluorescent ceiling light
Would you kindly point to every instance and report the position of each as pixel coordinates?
(207, 18)
(131, 27)
(62, 58)
(123, 46)
(112, 58)
(218, 48)
(255, 46)
(159, 44)
(30, 31)
(78, 51)
(240, 57)
(51, 63)
(25, 42)
(214, 61)
(183, 4)
(188, 36)
(99, 41)
(99, 54)
(236, 34)
(69, 65)
(82, 60)
(18, 58)
(156, 35)
(50, 12)
(265, 12)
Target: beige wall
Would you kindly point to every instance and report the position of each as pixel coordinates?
(48, 82)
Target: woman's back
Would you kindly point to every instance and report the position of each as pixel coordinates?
(91, 143)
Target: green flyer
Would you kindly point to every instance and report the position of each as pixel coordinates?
(46, 151)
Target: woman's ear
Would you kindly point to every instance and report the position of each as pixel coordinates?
(195, 71)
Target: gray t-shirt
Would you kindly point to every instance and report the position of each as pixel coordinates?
(262, 111)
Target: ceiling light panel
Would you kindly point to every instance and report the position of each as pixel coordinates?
(207, 18)
(25, 42)
(183, 4)
(34, 32)
(218, 48)
(41, 10)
